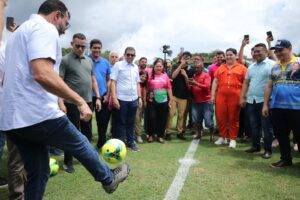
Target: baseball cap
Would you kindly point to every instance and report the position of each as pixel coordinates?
(282, 43)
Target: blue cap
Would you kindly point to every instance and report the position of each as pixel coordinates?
(280, 44)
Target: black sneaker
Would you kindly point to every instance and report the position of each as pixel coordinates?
(120, 174)
(69, 168)
(281, 164)
(134, 148)
(3, 182)
(181, 137)
(168, 137)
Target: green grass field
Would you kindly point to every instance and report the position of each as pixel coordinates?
(219, 173)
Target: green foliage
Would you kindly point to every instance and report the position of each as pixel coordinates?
(208, 57)
(66, 51)
(105, 54)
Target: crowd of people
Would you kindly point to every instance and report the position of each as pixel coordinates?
(47, 100)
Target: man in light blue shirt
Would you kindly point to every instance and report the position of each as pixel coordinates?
(253, 95)
(126, 97)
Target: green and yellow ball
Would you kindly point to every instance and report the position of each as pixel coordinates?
(54, 167)
(114, 151)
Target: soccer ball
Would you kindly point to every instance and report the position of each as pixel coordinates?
(53, 167)
(114, 151)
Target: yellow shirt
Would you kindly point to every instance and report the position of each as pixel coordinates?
(283, 67)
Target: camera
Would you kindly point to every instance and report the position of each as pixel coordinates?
(166, 48)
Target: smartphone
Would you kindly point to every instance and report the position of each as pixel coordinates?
(246, 37)
(9, 22)
(270, 35)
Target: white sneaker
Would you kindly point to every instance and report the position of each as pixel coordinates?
(221, 141)
(295, 147)
(232, 144)
(275, 143)
(139, 139)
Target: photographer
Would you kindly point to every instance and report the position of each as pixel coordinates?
(180, 95)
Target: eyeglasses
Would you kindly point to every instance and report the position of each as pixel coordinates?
(79, 46)
(63, 15)
(130, 55)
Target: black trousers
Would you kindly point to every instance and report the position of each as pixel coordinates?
(157, 118)
(244, 124)
(102, 118)
(283, 121)
(85, 127)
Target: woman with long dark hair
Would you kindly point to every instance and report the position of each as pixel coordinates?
(158, 92)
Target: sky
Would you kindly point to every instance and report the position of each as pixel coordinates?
(195, 25)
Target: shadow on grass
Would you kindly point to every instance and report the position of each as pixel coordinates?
(242, 160)
(292, 171)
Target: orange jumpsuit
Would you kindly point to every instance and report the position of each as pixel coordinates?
(230, 83)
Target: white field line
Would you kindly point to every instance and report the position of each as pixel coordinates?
(185, 164)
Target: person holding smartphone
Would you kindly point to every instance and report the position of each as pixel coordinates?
(241, 58)
(269, 40)
(201, 106)
(180, 94)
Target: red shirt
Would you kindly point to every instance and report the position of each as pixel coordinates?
(201, 92)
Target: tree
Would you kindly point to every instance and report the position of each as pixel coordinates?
(106, 54)
(66, 51)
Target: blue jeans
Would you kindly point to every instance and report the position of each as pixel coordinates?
(259, 123)
(33, 142)
(124, 121)
(202, 111)
(2, 143)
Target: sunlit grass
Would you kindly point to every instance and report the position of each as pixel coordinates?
(219, 173)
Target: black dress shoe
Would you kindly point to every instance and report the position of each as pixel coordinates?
(3, 182)
(69, 168)
(252, 150)
(281, 164)
(181, 137)
(168, 137)
(267, 155)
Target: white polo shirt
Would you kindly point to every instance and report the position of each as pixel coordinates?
(127, 77)
(25, 101)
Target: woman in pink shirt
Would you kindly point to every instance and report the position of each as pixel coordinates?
(158, 92)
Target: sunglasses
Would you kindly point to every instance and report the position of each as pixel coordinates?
(130, 55)
(79, 46)
(278, 50)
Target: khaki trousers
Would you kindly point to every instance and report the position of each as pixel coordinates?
(16, 172)
(138, 122)
(179, 105)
